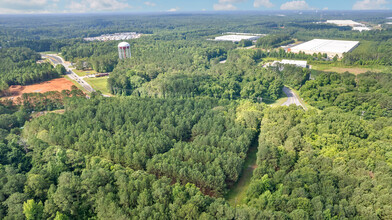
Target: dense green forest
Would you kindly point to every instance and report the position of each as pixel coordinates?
(99, 56)
(368, 94)
(18, 67)
(323, 165)
(370, 53)
(273, 41)
(54, 174)
(176, 136)
(200, 74)
(155, 135)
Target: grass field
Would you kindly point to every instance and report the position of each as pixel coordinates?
(84, 73)
(49, 52)
(351, 69)
(99, 84)
(279, 102)
(237, 192)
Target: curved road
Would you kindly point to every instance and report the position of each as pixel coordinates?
(293, 99)
(58, 60)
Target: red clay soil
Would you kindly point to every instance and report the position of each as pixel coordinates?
(58, 84)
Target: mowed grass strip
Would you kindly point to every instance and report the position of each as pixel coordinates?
(351, 69)
(100, 83)
(237, 193)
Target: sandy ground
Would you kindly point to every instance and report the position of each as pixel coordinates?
(58, 84)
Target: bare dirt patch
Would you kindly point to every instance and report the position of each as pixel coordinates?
(58, 84)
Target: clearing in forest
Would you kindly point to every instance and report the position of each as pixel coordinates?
(237, 193)
(351, 69)
(100, 83)
(58, 84)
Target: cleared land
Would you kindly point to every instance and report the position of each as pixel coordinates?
(351, 69)
(99, 83)
(237, 193)
(58, 84)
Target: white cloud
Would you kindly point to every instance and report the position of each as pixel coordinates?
(23, 11)
(295, 5)
(227, 5)
(97, 5)
(173, 9)
(24, 2)
(370, 5)
(224, 7)
(26, 6)
(263, 3)
(151, 4)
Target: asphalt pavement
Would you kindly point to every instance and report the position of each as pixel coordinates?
(292, 98)
(58, 60)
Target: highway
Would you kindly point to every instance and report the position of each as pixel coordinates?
(58, 60)
(292, 98)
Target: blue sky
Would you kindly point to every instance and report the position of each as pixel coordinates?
(82, 6)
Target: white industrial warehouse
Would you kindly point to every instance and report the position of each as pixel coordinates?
(236, 38)
(330, 47)
(350, 23)
(299, 63)
(360, 29)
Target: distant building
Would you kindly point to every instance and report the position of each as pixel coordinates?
(329, 47)
(350, 23)
(300, 63)
(124, 50)
(360, 29)
(115, 36)
(355, 25)
(236, 38)
(101, 74)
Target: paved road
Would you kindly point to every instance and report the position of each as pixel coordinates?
(55, 59)
(292, 98)
(58, 60)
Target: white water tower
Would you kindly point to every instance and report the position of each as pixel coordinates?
(124, 50)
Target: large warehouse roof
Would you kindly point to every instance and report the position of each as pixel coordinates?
(360, 29)
(330, 47)
(236, 38)
(301, 63)
(345, 23)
